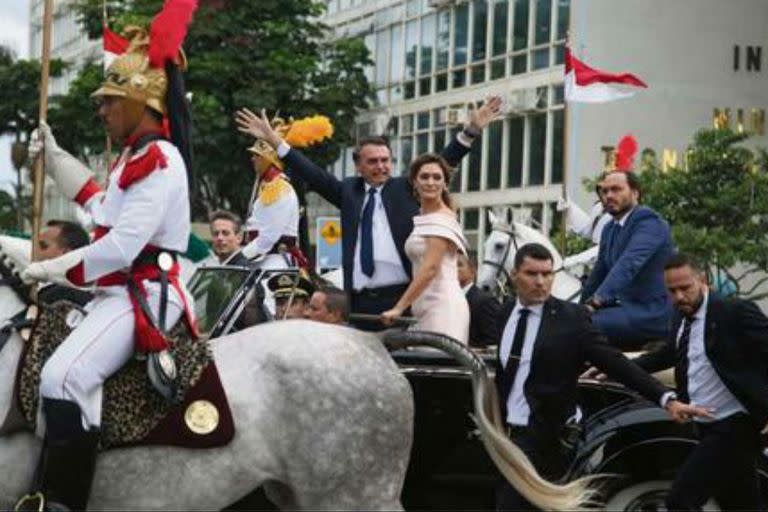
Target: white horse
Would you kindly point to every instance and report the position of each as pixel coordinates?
(323, 420)
(500, 248)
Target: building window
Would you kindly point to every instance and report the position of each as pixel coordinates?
(458, 176)
(543, 22)
(396, 56)
(475, 165)
(443, 39)
(495, 144)
(520, 33)
(537, 149)
(460, 34)
(500, 20)
(563, 17)
(479, 27)
(558, 137)
(471, 219)
(406, 154)
(382, 56)
(411, 42)
(515, 145)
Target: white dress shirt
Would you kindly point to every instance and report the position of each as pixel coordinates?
(388, 267)
(705, 388)
(518, 409)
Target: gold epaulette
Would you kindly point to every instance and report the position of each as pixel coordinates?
(271, 191)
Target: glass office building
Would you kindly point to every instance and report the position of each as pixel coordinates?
(433, 58)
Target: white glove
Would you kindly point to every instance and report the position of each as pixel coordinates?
(562, 204)
(251, 251)
(14, 252)
(53, 270)
(67, 171)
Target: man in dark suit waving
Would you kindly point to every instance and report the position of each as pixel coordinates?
(626, 286)
(377, 209)
(719, 349)
(544, 346)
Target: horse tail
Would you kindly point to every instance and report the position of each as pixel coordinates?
(509, 459)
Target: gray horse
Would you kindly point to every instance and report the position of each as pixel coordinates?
(324, 421)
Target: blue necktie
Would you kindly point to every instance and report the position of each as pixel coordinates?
(366, 234)
(614, 247)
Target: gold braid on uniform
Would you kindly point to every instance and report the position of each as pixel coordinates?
(271, 191)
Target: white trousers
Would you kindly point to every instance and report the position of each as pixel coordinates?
(98, 347)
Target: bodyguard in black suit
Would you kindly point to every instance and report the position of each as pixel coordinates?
(719, 349)
(544, 346)
(376, 268)
(483, 307)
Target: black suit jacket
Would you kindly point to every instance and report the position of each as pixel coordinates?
(565, 342)
(483, 314)
(736, 343)
(348, 196)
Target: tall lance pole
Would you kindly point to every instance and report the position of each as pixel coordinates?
(38, 171)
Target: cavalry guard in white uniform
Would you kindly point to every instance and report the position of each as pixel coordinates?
(271, 229)
(143, 221)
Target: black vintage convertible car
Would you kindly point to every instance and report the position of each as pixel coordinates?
(622, 434)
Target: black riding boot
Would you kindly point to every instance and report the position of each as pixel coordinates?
(68, 460)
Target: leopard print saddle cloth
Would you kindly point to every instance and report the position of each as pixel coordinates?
(133, 412)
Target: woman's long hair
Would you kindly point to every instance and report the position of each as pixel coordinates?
(432, 158)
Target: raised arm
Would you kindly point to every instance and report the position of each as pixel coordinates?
(318, 179)
(479, 119)
(73, 179)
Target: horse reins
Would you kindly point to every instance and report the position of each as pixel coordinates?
(500, 270)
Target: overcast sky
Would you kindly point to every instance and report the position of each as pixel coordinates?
(14, 33)
(14, 25)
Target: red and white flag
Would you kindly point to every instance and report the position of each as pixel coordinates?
(587, 85)
(114, 46)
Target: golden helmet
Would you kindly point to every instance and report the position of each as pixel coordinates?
(132, 76)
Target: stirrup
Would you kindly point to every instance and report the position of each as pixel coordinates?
(163, 375)
(29, 498)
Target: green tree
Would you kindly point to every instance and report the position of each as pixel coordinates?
(272, 54)
(19, 110)
(7, 211)
(717, 207)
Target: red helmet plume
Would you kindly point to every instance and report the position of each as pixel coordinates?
(168, 30)
(624, 157)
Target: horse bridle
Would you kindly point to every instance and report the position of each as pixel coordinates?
(502, 278)
(11, 278)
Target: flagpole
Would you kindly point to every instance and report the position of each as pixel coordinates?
(566, 158)
(38, 171)
(566, 148)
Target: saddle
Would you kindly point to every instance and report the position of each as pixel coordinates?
(133, 412)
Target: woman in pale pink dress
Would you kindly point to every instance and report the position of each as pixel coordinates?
(434, 295)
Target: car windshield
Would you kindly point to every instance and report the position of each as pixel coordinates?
(212, 288)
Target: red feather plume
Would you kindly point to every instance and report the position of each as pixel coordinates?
(168, 30)
(625, 153)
